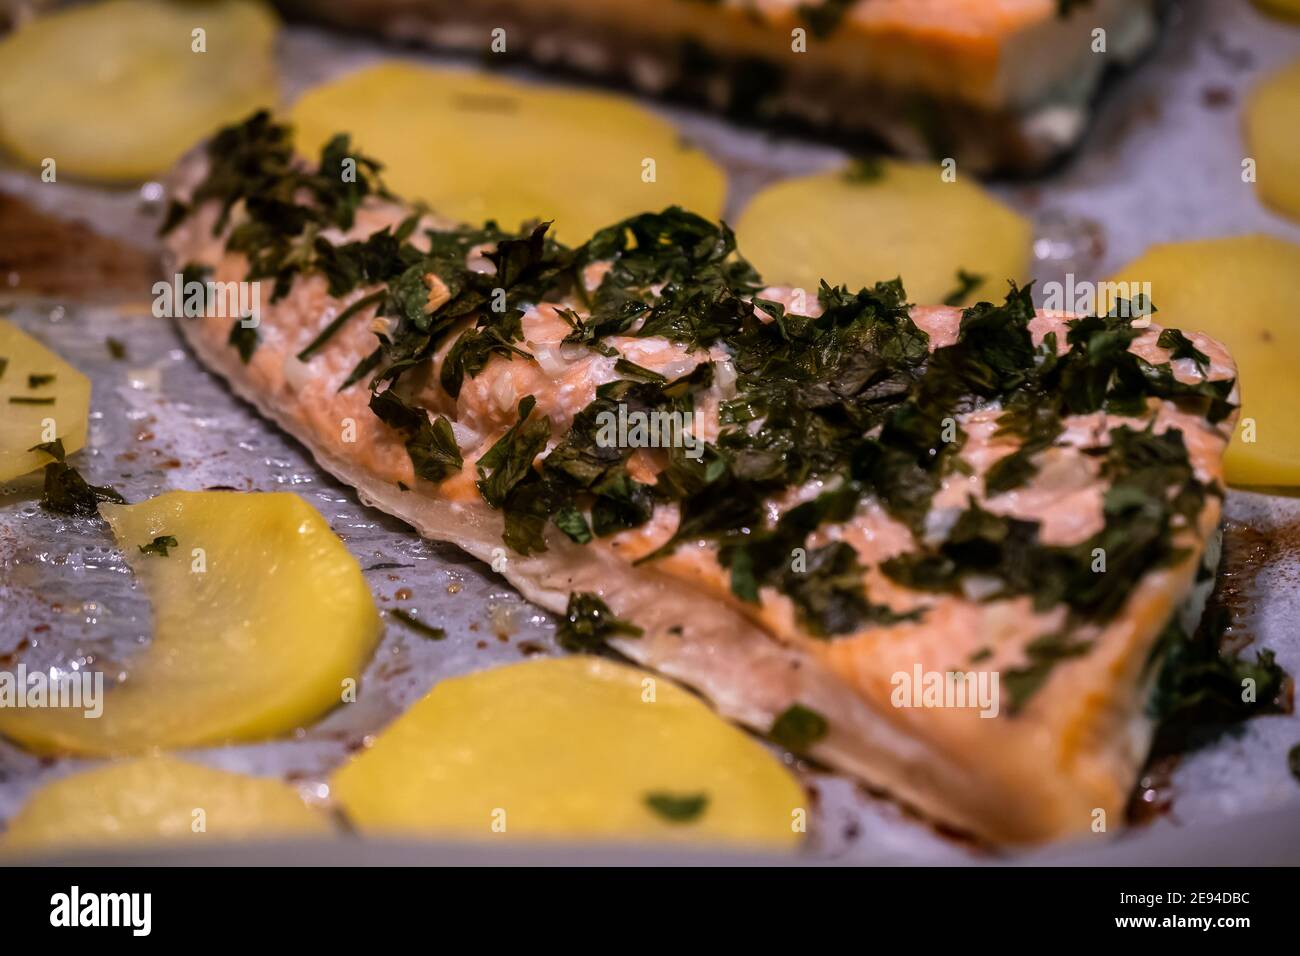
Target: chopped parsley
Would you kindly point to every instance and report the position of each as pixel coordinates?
(160, 545)
(244, 339)
(677, 808)
(1180, 346)
(39, 381)
(588, 623)
(67, 493)
(798, 728)
(52, 448)
(1198, 690)
(416, 625)
(431, 445)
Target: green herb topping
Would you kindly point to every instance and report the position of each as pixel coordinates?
(416, 625)
(677, 808)
(588, 624)
(798, 728)
(160, 545)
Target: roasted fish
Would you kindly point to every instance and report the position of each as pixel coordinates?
(941, 550)
(995, 84)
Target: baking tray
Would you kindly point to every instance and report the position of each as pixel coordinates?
(1160, 163)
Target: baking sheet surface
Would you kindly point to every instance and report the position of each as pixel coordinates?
(1162, 164)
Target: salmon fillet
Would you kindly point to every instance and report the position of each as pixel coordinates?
(866, 492)
(991, 83)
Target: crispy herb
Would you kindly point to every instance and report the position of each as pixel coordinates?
(29, 400)
(510, 459)
(431, 445)
(116, 348)
(798, 728)
(52, 448)
(633, 371)
(338, 322)
(588, 623)
(4, 364)
(1180, 346)
(416, 625)
(1152, 486)
(160, 545)
(67, 493)
(677, 808)
(1042, 654)
(703, 283)
(966, 283)
(1199, 689)
(39, 381)
(244, 339)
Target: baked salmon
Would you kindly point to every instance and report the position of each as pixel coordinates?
(940, 550)
(992, 83)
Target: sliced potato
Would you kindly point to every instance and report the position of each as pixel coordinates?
(156, 799)
(1272, 118)
(42, 398)
(260, 617)
(902, 220)
(117, 91)
(478, 147)
(569, 748)
(1243, 291)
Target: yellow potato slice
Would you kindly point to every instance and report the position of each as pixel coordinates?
(1242, 291)
(1272, 119)
(903, 220)
(117, 91)
(158, 799)
(42, 398)
(478, 147)
(260, 617)
(572, 747)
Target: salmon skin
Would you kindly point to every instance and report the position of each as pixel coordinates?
(1005, 85)
(937, 549)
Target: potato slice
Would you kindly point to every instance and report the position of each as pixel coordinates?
(42, 398)
(478, 147)
(569, 748)
(1273, 135)
(116, 91)
(260, 617)
(1242, 291)
(899, 219)
(156, 799)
